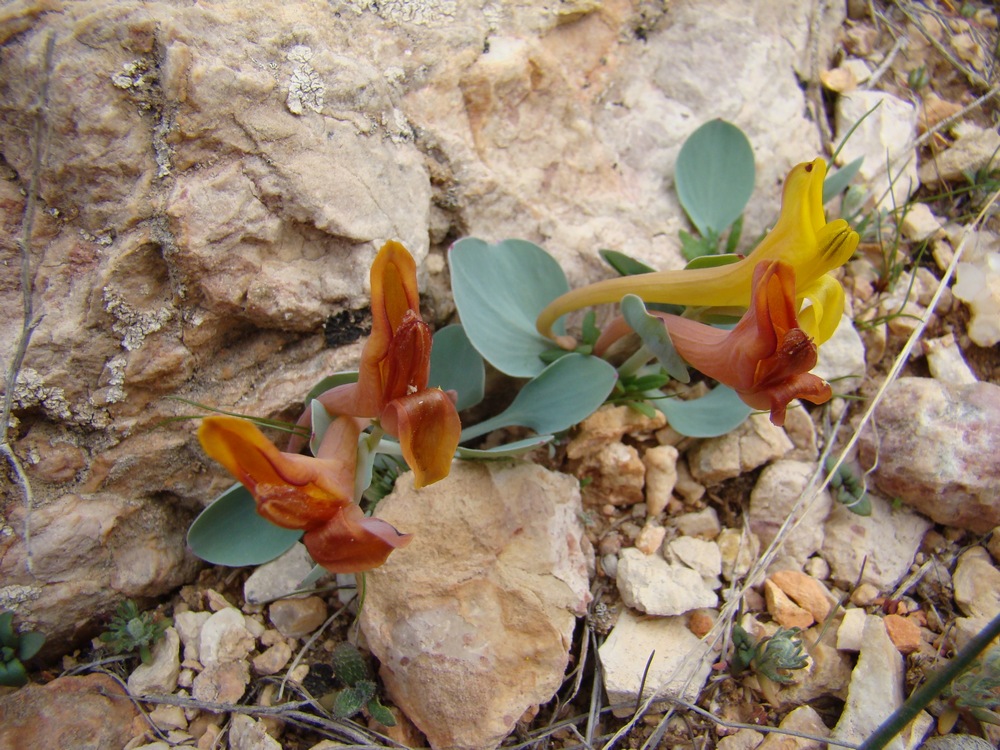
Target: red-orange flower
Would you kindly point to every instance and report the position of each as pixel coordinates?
(392, 378)
(302, 492)
(316, 494)
(765, 358)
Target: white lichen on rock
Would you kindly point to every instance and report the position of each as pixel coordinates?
(11, 596)
(423, 12)
(133, 326)
(30, 391)
(305, 87)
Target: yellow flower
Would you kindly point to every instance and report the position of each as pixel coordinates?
(801, 238)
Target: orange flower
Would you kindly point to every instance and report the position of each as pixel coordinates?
(392, 378)
(765, 358)
(302, 492)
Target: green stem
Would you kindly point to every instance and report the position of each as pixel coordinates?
(633, 364)
(934, 686)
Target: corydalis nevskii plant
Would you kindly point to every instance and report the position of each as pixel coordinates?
(319, 494)
(765, 358)
(802, 238)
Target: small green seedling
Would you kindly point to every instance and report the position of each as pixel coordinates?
(15, 649)
(132, 630)
(359, 691)
(848, 489)
(770, 656)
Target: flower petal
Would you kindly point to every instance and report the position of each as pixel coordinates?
(801, 237)
(296, 492)
(826, 307)
(394, 293)
(351, 543)
(428, 429)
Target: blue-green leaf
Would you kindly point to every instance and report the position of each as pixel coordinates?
(229, 532)
(30, 644)
(836, 183)
(565, 393)
(457, 366)
(714, 414)
(714, 176)
(655, 337)
(624, 264)
(499, 291)
(507, 450)
(321, 422)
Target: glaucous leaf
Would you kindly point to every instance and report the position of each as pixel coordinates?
(499, 291)
(714, 414)
(507, 450)
(229, 532)
(714, 176)
(565, 393)
(836, 183)
(457, 366)
(654, 337)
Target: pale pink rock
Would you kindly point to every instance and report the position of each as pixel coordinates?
(608, 425)
(752, 444)
(936, 451)
(805, 591)
(786, 613)
(160, 675)
(482, 603)
(650, 538)
(617, 475)
(224, 638)
(297, 617)
(903, 632)
(679, 666)
(273, 660)
(652, 585)
(91, 711)
(661, 476)
(772, 500)
(224, 682)
(803, 719)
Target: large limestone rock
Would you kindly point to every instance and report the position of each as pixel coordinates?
(936, 449)
(217, 178)
(473, 620)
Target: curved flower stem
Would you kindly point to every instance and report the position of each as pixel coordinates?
(632, 365)
(934, 686)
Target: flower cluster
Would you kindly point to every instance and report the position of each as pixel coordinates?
(318, 493)
(767, 356)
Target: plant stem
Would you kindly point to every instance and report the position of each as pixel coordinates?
(934, 686)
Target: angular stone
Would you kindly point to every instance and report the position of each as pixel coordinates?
(842, 358)
(482, 603)
(188, 625)
(698, 554)
(661, 476)
(224, 682)
(159, 676)
(652, 585)
(805, 591)
(803, 719)
(679, 667)
(739, 552)
(702, 524)
(224, 638)
(785, 612)
(852, 543)
(772, 500)
(876, 688)
(977, 584)
(298, 617)
(273, 660)
(91, 712)
(279, 577)
(903, 632)
(936, 450)
(888, 132)
(617, 475)
(246, 733)
(752, 444)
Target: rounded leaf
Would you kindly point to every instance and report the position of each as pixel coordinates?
(457, 366)
(229, 532)
(714, 414)
(714, 176)
(499, 292)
